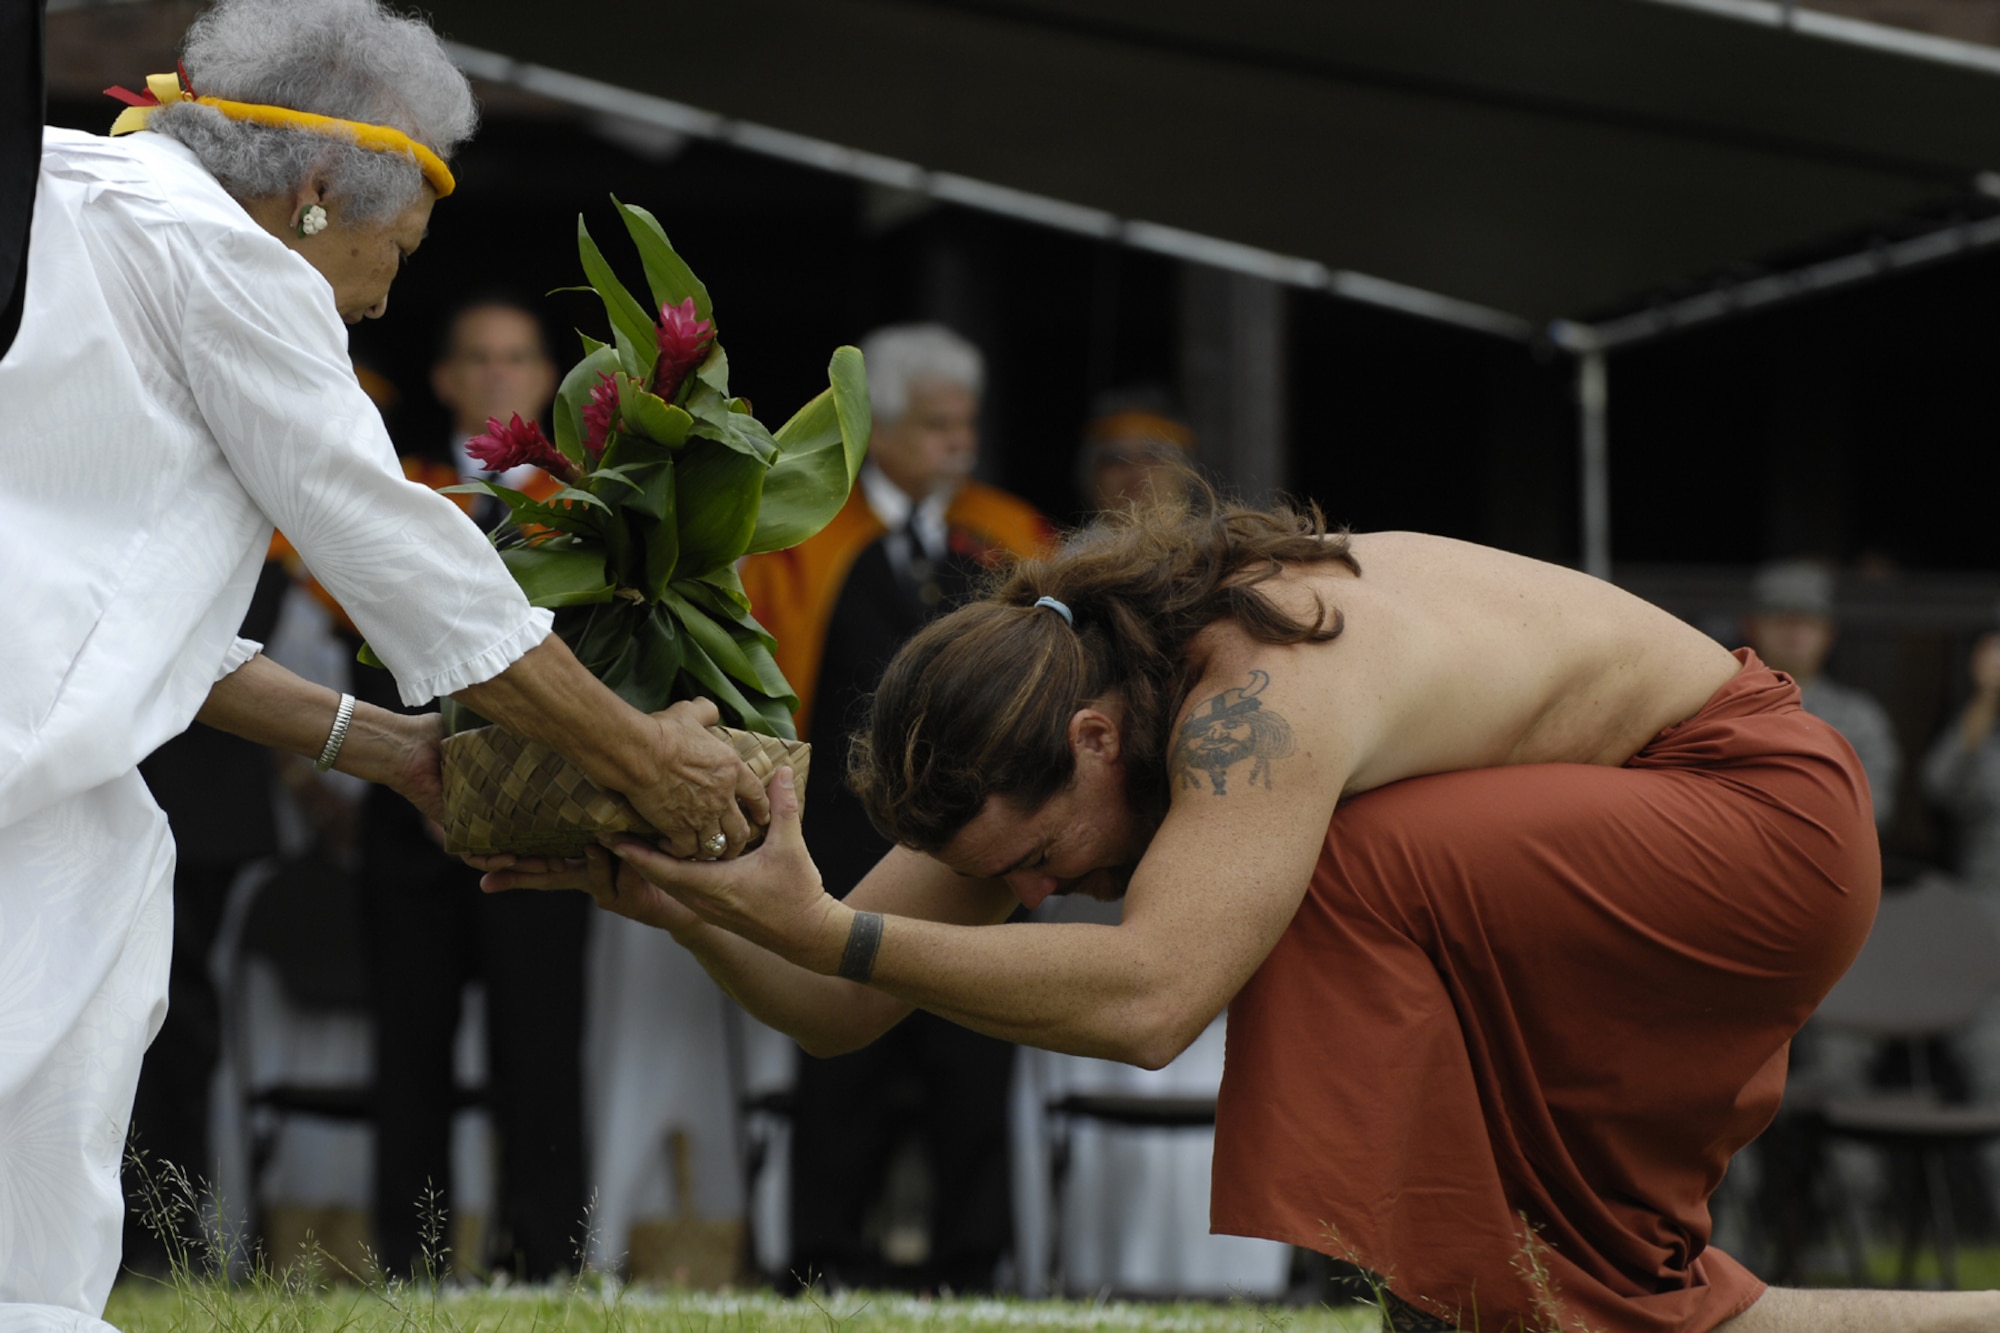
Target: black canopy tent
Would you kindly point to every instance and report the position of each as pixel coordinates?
(1569, 169)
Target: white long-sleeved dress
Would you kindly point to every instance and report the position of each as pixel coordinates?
(179, 384)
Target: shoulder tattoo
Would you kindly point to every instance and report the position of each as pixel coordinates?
(1228, 729)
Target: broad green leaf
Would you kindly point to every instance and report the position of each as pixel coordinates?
(713, 638)
(849, 378)
(715, 419)
(590, 345)
(663, 546)
(769, 678)
(629, 320)
(777, 715)
(522, 510)
(649, 486)
(574, 395)
(714, 369)
(671, 280)
(717, 492)
(597, 636)
(651, 415)
(558, 575)
(820, 450)
(662, 654)
(571, 495)
(737, 710)
(730, 584)
(626, 450)
(623, 676)
(710, 593)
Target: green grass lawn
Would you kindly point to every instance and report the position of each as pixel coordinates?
(142, 1306)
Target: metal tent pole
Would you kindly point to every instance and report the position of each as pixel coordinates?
(1591, 404)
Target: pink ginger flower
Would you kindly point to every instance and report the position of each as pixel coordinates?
(684, 341)
(518, 442)
(599, 413)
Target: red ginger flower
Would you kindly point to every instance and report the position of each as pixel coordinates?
(599, 413)
(516, 443)
(684, 341)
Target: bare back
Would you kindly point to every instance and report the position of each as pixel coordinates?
(1458, 656)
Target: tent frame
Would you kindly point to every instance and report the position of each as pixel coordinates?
(1588, 344)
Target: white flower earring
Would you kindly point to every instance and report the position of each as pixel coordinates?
(312, 221)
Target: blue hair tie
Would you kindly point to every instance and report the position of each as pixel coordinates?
(1057, 607)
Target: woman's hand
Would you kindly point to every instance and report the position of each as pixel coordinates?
(415, 768)
(704, 789)
(686, 783)
(771, 897)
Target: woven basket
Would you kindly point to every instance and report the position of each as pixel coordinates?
(504, 794)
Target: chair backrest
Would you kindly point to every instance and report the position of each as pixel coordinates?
(305, 921)
(1930, 964)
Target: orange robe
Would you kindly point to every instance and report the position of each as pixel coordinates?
(793, 592)
(1525, 1016)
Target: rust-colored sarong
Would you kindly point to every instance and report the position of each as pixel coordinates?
(1525, 1016)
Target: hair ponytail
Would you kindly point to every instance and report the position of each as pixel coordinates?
(978, 703)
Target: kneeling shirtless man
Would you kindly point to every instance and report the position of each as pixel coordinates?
(1515, 888)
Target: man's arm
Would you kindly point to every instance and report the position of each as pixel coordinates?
(826, 1015)
(1217, 886)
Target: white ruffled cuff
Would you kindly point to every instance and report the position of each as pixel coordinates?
(239, 652)
(484, 666)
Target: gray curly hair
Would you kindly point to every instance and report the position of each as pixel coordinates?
(354, 59)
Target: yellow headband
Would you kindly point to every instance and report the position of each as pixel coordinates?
(164, 88)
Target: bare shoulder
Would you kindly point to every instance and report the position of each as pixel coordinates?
(1452, 655)
(1268, 718)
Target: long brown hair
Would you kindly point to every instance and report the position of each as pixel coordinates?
(978, 703)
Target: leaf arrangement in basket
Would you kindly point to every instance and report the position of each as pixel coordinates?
(667, 481)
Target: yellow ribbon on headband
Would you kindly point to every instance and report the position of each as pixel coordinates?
(164, 88)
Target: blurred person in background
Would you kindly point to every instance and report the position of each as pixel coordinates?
(1133, 443)
(430, 931)
(1962, 771)
(180, 383)
(914, 536)
(1792, 627)
(493, 362)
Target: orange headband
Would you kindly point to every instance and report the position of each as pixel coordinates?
(1137, 423)
(164, 88)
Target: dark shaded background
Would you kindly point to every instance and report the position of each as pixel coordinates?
(1856, 426)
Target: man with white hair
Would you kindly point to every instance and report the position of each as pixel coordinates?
(909, 544)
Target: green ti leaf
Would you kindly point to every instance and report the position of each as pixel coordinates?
(568, 510)
(667, 274)
(553, 575)
(631, 326)
(819, 451)
(768, 717)
(650, 415)
(717, 493)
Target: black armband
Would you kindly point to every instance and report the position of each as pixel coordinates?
(864, 937)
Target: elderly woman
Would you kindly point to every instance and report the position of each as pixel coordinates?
(179, 384)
